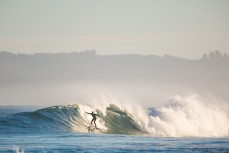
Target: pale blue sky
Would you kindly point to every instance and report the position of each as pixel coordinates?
(185, 28)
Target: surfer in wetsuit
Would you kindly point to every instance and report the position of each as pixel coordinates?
(94, 117)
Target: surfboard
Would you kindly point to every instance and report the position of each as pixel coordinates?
(91, 129)
(95, 129)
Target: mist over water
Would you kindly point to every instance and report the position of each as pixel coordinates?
(145, 103)
(160, 96)
(51, 79)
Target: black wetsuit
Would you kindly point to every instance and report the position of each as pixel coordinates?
(94, 117)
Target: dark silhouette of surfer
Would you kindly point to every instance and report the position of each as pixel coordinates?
(94, 117)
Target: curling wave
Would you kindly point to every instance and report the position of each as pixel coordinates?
(180, 117)
(71, 118)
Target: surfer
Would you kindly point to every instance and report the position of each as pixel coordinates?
(94, 117)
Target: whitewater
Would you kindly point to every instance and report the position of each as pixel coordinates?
(181, 125)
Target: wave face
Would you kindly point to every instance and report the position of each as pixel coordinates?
(71, 118)
(180, 117)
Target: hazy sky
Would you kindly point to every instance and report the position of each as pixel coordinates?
(186, 28)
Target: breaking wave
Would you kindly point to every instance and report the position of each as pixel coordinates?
(180, 117)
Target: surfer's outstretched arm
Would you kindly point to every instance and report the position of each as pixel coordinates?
(87, 113)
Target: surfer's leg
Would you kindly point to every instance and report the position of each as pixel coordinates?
(94, 123)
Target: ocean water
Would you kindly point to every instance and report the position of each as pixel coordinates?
(84, 142)
(177, 127)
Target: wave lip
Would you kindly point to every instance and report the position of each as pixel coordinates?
(181, 117)
(71, 118)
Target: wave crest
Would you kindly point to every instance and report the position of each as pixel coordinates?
(190, 117)
(179, 117)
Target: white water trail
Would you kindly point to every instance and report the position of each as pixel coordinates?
(190, 117)
(180, 117)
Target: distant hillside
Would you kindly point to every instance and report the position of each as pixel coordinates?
(209, 74)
